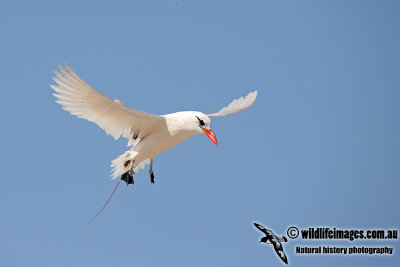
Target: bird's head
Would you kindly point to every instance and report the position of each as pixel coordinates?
(203, 124)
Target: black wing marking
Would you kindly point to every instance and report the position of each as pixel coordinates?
(261, 228)
(279, 250)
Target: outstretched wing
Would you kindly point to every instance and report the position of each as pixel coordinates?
(77, 97)
(236, 105)
(261, 228)
(279, 250)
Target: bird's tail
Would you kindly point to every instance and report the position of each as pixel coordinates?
(123, 163)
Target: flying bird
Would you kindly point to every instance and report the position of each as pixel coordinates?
(274, 240)
(147, 134)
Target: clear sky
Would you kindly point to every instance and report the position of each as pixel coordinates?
(320, 146)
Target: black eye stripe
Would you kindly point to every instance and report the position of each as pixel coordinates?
(201, 121)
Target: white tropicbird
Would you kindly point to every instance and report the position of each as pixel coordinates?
(148, 134)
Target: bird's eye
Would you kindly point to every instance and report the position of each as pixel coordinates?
(201, 122)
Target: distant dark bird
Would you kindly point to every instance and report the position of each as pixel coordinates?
(274, 240)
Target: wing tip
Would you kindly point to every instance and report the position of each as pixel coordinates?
(252, 95)
(244, 102)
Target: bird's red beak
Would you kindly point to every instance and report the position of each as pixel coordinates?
(211, 135)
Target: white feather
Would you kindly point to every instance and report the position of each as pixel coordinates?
(236, 105)
(77, 97)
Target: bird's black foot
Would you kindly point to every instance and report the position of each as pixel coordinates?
(128, 178)
(151, 177)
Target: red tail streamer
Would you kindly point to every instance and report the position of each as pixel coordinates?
(104, 205)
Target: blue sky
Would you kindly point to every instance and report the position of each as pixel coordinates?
(320, 147)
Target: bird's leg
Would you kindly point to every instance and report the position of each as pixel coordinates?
(151, 171)
(128, 176)
(131, 173)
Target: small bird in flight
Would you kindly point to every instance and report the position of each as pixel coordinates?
(148, 134)
(274, 240)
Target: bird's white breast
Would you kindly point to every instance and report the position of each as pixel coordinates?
(177, 128)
